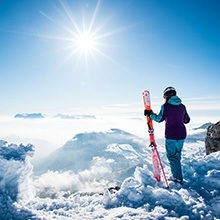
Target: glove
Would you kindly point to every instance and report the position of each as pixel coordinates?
(148, 112)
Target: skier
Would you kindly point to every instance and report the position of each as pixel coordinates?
(174, 113)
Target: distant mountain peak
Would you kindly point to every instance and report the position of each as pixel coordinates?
(68, 116)
(107, 136)
(204, 126)
(83, 147)
(29, 115)
(119, 131)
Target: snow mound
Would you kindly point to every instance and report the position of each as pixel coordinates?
(15, 180)
(197, 198)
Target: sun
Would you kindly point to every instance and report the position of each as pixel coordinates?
(86, 38)
(83, 39)
(85, 42)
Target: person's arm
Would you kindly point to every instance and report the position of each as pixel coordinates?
(159, 117)
(186, 118)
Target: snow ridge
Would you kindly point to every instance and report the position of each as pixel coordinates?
(15, 180)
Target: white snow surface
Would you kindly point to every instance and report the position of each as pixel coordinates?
(82, 193)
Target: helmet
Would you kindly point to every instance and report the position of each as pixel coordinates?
(168, 92)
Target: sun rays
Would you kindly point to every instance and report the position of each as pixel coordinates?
(85, 39)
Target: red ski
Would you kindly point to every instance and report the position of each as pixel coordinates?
(157, 164)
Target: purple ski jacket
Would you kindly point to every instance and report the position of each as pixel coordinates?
(175, 115)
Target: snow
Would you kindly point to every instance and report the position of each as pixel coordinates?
(15, 180)
(196, 198)
(82, 193)
(120, 152)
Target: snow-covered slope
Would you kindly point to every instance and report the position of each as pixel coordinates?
(56, 194)
(197, 198)
(121, 151)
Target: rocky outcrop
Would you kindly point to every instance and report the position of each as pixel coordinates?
(212, 140)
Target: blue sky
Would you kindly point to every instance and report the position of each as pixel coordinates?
(139, 45)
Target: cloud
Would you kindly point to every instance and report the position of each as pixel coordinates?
(94, 179)
(203, 103)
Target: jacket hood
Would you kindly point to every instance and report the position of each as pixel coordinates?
(174, 100)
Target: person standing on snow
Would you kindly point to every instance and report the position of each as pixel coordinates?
(174, 113)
